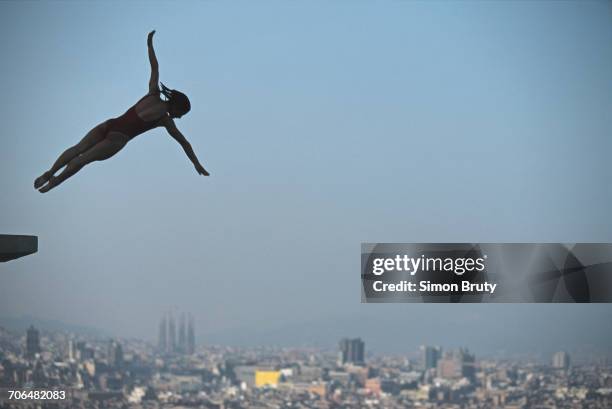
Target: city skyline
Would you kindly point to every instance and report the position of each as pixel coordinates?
(350, 351)
(120, 373)
(488, 337)
(433, 353)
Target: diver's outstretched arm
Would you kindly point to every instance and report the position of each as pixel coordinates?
(178, 136)
(154, 80)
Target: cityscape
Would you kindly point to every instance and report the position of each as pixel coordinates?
(177, 372)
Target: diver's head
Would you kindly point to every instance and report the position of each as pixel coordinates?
(178, 102)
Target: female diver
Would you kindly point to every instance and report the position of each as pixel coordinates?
(109, 137)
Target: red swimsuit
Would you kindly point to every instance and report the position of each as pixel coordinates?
(130, 124)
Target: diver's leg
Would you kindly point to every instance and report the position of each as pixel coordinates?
(93, 137)
(108, 147)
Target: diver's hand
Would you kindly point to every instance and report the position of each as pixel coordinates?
(200, 169)
(150, 37)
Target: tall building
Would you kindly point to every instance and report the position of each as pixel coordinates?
(168, 341)
(70, 350)
(171, 335)
(456, 365)
(561, 360)
(182, 336)
(115, 354)
(430, 356)
(162, 342)
(190, 337)
(32, 342)
(352, 351)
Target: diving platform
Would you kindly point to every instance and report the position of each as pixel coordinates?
(16, 246)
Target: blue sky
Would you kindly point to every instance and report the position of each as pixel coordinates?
(323, 124)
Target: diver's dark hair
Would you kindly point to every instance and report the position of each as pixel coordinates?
(177, 99)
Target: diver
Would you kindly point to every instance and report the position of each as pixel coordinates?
(109, 137)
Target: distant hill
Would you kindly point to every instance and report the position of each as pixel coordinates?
(489, 330)
(21, 323)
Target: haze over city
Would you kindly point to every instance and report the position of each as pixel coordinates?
(323, 126)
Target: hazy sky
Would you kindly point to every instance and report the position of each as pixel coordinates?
(324, 125)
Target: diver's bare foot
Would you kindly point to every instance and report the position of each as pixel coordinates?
(50, 185)
(41, 180)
